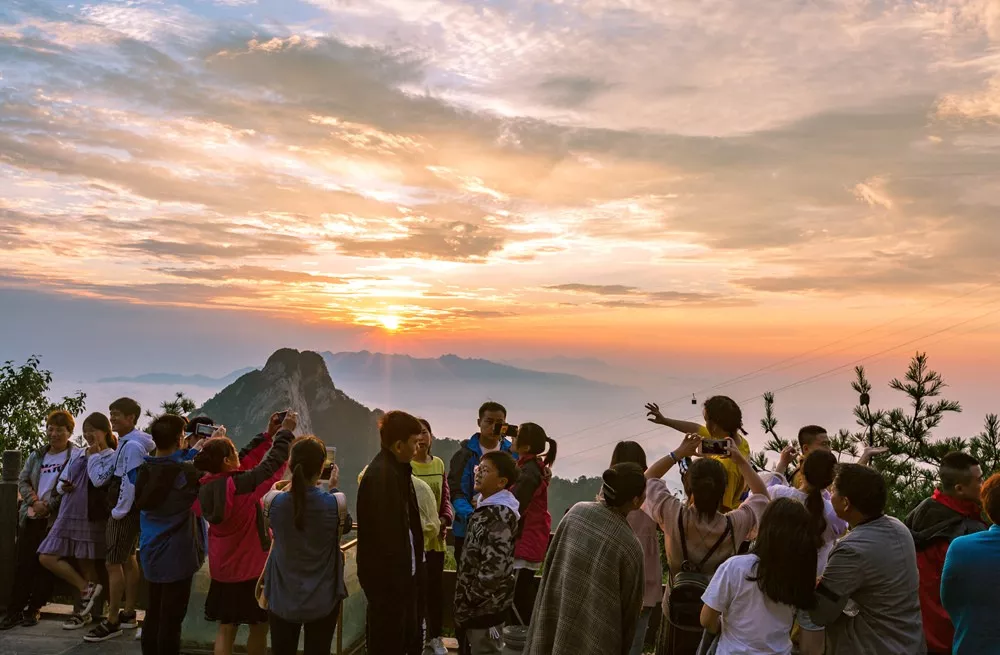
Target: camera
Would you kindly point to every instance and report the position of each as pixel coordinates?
(204, 430)
(714, 447)
(504, 430)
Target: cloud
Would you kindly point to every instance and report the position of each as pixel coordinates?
(636, 298)
(599, 289)
(454, 241)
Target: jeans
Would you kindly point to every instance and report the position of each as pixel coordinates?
(640, 631)
(168, 603)
(33, 583)
(485, 641)
(393, 626)
(435, 593)
(319, 634)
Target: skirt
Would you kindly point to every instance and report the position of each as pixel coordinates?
(234, 603)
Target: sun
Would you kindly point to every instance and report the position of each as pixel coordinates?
(390, 322)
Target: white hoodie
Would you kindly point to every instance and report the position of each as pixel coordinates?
(503, 498)
(131, 452)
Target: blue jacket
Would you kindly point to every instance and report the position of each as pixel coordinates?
(462, 480)
(172, 540)
(969, 586)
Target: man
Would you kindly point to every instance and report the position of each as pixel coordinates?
(462, 470)
(174, 539)
(970, 581)
(868, 596)
(814, 437)
(122, 534)
(391, 542)
(953, 511)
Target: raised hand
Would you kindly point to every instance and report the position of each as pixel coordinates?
(653, 414)
(291, 422)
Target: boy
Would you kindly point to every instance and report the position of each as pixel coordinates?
(122, 532)
(172, 546)
(484, 590)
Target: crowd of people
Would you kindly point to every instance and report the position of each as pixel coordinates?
(753, 562)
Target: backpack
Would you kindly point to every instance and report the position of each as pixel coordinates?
(688, 586)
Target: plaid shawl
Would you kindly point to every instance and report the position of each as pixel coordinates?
(591, 591)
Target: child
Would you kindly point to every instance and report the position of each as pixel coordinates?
(532, 493)
(723, 420)
(484, 589)
(172, 541)
(239, 539)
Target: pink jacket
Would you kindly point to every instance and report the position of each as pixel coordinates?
(238, 538)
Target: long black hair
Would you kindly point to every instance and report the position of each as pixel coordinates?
(214, 454)
(307, 460)
(725, 414)
(705, 483)
(623, 483)
(629, 451)
(533, 436)
(819, 469)
(786, 554)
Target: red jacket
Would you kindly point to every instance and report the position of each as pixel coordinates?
(532, 493)
(934, 524)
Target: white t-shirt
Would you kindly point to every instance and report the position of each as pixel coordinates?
(752, 623)
(835, 526)
(52, 466)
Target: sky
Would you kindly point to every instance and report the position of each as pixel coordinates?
(689, 189)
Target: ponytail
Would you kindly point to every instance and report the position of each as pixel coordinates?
(306, 460)
(214, 454)
(299, 483)
(550, 452)
(818, 469)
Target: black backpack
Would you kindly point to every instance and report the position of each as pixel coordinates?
(686, 590)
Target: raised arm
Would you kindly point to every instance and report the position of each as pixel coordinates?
(655, 416)
(257, 479)
(751, 477)
(687, 448)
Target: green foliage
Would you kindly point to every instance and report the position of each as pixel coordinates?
(24, 405)
(179, 405)
(774, 443)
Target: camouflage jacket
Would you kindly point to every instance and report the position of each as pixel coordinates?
(484, 589)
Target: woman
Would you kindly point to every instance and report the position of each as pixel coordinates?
(817, 473)
(36, 485)
(645, 531)
(238, 539)
(431, 470)
(723, 420)
(78, 531)
(536, 453)
(591, 591)
(304, 577)
(752, 599)
(702, 522)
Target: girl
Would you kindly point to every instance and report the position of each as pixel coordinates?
(431, 470)
(591, 592)
(751, 600)
(826, 527)
(78, 532)
(723, 420)
(304, 578)
(238, 538)
(36, 485)
(645, 531)
(532, 493)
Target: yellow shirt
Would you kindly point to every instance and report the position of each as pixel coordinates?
(735, 484)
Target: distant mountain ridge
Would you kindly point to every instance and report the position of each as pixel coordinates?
(181, 379)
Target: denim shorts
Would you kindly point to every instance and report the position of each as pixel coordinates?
(805, 622)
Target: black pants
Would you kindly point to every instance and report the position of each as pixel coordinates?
(435, 593)
(524, 598)
(393, 626)
(168, 603)
(33, 583)
(319, 634)
(459, 542)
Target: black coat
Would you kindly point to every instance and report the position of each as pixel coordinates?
(387, 512)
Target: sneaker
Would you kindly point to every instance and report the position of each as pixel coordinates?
(128, 621)
(31, 618)
(103, 632)
(89, 597)
(76, 622)
(12, 620)
(437, 646)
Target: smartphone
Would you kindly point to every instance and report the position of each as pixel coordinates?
(331, 458)
(714, 447)
(282, 415)
(504, 430)
(203, 430)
